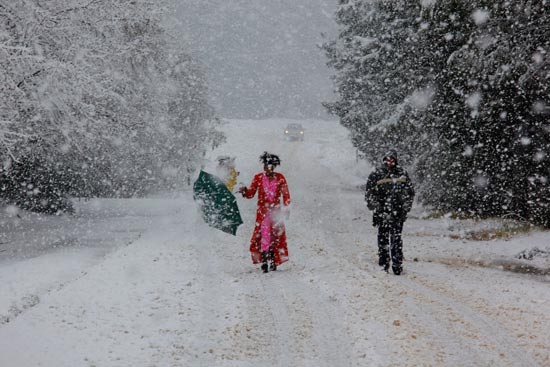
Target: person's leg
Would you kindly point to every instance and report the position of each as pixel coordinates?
(383, 252)
(265, 241)
(265, 230)
(271, 255)
(264, 261)
(396, 246)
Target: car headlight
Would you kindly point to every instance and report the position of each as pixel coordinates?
(286, 131)
(301, 132)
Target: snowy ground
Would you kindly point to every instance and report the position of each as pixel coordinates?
(146, 283)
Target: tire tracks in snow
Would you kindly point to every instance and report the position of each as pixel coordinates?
(491, 341)
(308, 325)
(448, 324)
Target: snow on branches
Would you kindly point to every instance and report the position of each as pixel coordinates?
(94, 86)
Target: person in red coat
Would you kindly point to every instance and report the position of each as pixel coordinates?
(268, 243)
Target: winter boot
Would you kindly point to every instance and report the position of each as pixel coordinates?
(384, 263)
(272, 265)
(397, 269)
(264, 262)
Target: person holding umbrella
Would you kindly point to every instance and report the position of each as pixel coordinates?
(268, 243)
(226, 171)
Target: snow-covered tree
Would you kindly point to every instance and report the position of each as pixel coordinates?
(381, 80)
(89, 88)
(461, 87)
(489, 117)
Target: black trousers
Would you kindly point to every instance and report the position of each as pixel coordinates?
(389, 240)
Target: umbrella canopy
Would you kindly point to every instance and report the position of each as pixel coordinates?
(217, 204)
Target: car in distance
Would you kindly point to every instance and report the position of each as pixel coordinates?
(294, 131)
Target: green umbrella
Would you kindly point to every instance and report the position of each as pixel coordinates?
(217, 204)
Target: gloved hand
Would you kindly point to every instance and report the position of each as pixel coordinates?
(373, 205)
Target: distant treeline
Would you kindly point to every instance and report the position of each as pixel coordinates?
(96, 100)
(461, 89)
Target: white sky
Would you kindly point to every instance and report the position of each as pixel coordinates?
(262, 57)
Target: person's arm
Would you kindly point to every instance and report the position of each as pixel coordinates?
(251, 191)
(370, 192)
(285, 191)
(410, 194)
(286, 197)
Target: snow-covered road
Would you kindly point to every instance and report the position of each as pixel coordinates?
(183, 294)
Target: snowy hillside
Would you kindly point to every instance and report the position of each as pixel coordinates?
(147, 283)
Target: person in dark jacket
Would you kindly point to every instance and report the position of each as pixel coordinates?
(389, 194)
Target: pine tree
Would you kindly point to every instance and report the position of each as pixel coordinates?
(461, 87)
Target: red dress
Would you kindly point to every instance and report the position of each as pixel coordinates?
(273, 209)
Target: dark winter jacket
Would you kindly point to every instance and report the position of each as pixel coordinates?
(389, 194)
